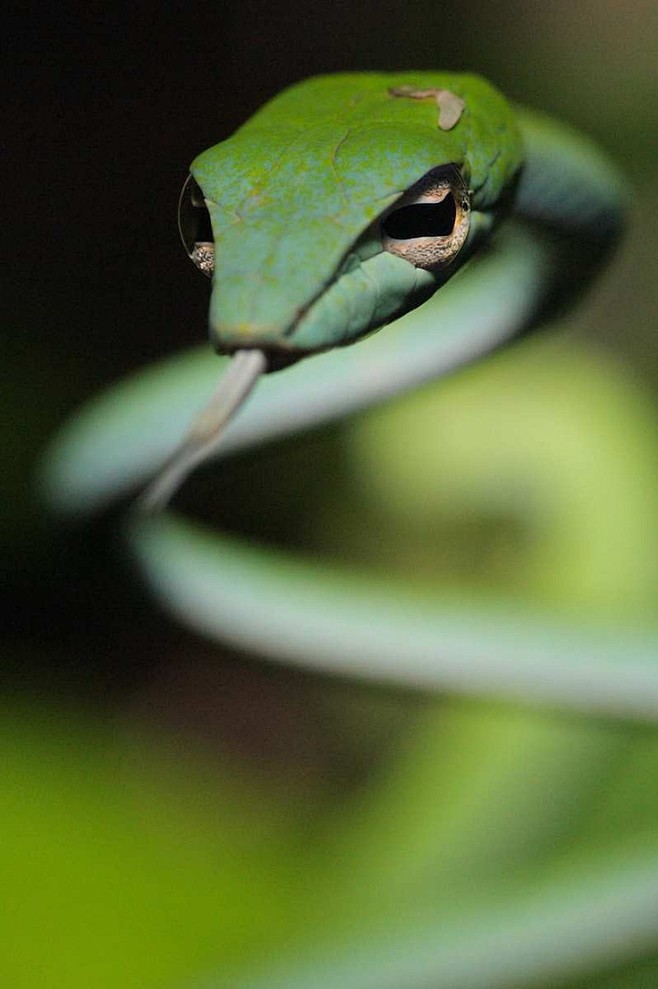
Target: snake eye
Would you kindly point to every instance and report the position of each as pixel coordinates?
(429, 224)
(194, 226)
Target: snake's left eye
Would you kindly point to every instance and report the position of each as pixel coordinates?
(195, 228)
(429, 224)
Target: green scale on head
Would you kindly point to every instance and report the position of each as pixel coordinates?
(308, 251)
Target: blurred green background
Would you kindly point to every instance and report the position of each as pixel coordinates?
(170, 809)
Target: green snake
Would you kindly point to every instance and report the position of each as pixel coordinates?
(428, 208)
(423, 203)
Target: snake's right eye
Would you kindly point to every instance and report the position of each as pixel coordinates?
(429, 224)
(195, 228)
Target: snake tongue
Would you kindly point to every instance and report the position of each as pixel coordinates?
(206, 430)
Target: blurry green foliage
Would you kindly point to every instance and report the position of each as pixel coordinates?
(126, 863)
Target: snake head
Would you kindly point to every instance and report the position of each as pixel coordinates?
(340, 206)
